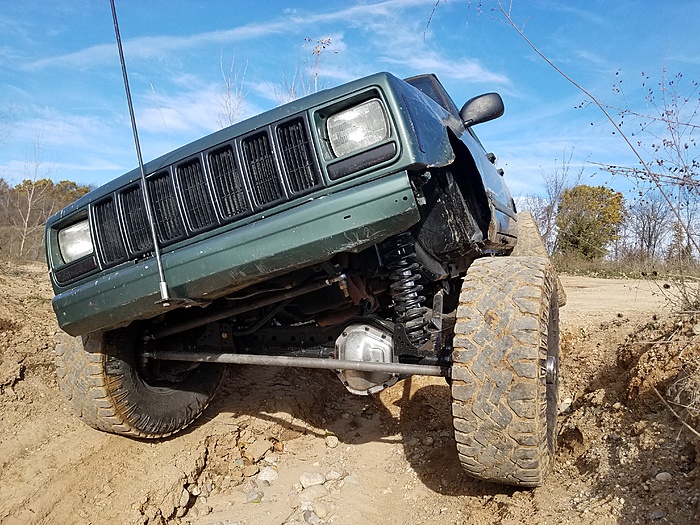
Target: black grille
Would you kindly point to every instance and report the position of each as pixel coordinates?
(195, 195)
(296, 154)
(138, 233)
(167, 216)
(201, 192)
(259, 159)
(228, 184)
(111, 244)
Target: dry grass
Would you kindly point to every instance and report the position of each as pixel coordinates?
(680, 285)
(631, 268)
(684, 391)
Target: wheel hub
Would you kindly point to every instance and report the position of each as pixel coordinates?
(552, 370)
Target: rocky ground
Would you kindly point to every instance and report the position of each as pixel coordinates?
(283, 446)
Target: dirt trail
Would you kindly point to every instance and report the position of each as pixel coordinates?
(623, 457)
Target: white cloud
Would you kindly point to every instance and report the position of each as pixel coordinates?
(581, 14)
(180, 112)
(370, 15)
(399, 35)
(190, 112)
(469, 70)
(154, 46)
(67, 144)
(11, 55)
(53, 128)
(185, 102)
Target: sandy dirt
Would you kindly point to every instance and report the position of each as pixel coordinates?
(623, 457)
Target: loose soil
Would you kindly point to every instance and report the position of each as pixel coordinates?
(623, 456)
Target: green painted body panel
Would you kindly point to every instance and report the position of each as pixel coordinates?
(362, 206)
(307, 234)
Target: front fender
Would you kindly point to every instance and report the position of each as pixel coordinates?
(426, 126)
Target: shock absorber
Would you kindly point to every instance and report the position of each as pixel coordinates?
(400, 256)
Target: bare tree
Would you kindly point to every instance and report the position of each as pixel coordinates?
(292, 87)
(679, 249)
(677, 139)
(25, 207)
(234, 94)
(4, 218)
(320, 47)
(29, 201)
(687, 202)
(307, 76)
(544, 207)
(648, 223)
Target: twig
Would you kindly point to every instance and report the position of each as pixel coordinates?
(670, 339)
(651, 342)
(680, 405)
(681, 276)
(680, 354)
(647, 169)
(686, 425)
(430, 18)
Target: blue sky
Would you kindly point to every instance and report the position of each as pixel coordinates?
(61, 87)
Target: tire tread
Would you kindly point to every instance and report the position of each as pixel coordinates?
(101, 399)
(498, 388)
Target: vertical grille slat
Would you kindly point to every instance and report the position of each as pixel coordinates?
(228, 183)
(296, 155)
(193, 185)
(137, 229)
(169, 224)
(259, 159)
(111, 245)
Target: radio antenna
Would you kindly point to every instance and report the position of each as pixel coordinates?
(164, 294)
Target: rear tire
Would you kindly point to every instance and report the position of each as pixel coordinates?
(531, 244)
(505, 370)
(100, 375)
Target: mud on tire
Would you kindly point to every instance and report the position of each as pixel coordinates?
(99, 375)
(504, 395)
(531, 244)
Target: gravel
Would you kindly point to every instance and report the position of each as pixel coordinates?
(309, 479)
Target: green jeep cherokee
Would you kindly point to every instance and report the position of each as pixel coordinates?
(362, 229)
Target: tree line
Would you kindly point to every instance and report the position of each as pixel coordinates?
(660, 223)
(596, 222)
(24, 209)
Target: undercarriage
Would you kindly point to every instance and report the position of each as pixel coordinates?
(375, 316)
(372, 316)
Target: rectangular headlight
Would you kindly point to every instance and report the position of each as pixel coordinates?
(357, 127)
(75, 241)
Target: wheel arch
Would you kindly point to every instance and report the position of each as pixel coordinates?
(470, 182)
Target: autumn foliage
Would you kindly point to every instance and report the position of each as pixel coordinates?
(24, 209)
(588, 219)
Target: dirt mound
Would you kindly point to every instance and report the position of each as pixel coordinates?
(292, 446)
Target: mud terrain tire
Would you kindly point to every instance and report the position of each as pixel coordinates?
(531, 244)
(504, 395)
(99, 376)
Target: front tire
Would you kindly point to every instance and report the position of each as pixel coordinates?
(111, 390)
(505, 370)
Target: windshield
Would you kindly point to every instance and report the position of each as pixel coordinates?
(430, 86)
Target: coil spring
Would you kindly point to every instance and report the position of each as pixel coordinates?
(400, 256)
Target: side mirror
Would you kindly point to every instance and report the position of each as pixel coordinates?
(482, 109)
